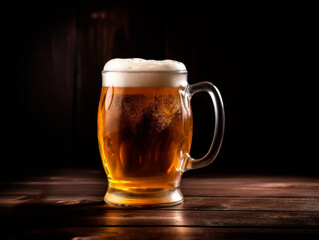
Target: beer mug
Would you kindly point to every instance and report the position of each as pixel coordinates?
(145, 128)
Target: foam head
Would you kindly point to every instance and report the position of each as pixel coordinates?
(137, 72)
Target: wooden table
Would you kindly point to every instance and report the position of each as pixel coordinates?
(68, 204)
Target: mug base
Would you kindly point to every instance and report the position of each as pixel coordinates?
(144, 197)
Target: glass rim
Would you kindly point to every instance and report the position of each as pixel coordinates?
(146, 71)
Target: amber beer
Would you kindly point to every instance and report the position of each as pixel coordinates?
(143, 134)
(145, 130)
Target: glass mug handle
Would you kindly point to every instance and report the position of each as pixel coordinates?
(192, 163)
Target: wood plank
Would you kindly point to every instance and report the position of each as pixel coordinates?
(189, 179)
(251, 191)
(249, 204)
(250, 179)
(98, 175)
(98, 188)
(86, 216)
(123, 233)
(93, 182)
(190, 203)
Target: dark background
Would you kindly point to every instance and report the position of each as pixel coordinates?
(259, 56)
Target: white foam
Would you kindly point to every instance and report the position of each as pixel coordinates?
(137, 72)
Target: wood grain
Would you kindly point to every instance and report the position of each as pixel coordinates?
(191, 233)
(86, 216)
(190, 203)
(94, 183)
(69, 204)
